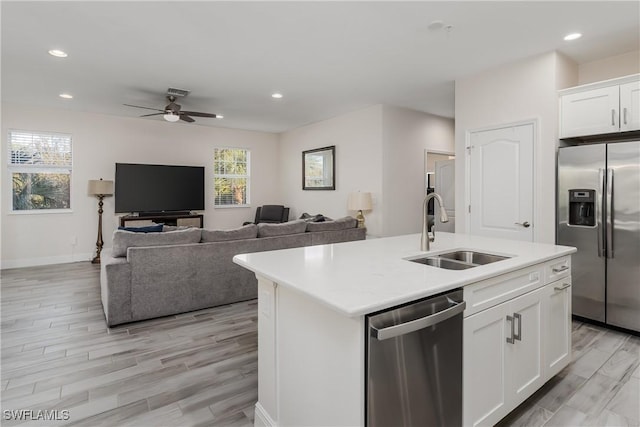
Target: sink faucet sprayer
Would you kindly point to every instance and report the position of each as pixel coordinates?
(426, 237)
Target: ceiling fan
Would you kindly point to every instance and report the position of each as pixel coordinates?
(173, 111)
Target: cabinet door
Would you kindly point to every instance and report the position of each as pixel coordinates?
(591, 112)
(556, 325)
(484, 397)
(523, 357)
(630, 106)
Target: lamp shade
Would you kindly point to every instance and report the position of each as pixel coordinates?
(99, 187)
(359, 201)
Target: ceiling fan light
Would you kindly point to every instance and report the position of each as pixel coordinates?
(170, 117)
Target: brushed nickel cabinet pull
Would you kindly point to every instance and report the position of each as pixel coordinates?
(563, 287)
(518, 317)
(510, 339)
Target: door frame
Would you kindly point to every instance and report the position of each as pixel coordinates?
(535, 122)
(426, 155)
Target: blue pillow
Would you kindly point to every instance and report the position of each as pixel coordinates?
(146, 229)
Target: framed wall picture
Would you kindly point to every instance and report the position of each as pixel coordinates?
(318, 169)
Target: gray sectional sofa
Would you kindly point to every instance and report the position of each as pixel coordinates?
(149, 275)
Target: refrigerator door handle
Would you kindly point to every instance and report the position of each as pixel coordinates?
(600, 218)
(609, 213)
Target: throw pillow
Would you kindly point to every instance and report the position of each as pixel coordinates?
(122, 239)
(314, 218)
(175, 227)
(339, 224)
(156, 228)
(249, 231)
(292, 227)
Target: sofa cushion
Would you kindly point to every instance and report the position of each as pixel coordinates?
(292, 227)
(249, 231)
(122, 240)
(156, 228)
(338, 224)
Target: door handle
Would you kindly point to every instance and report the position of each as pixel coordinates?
(524, 224)
(600, 205)
(560, 269)
(563, 287)
(511, 339)
(414, 325)
(613, 117)
(609, 213)
(624, 115)
(518, 317)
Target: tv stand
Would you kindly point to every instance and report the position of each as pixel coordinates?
(164, 214)
(173, 218)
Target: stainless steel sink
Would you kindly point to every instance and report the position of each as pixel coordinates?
(459, 260)
(443, 263)
(472, 257)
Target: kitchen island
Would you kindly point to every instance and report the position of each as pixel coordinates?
(312, 304)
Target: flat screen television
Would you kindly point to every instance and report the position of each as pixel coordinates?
(158, 188)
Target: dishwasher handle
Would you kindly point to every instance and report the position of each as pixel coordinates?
(414, 325)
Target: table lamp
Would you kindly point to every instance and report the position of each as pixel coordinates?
(100, 189)
(359, 202)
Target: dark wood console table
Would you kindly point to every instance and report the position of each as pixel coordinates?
(180, 220)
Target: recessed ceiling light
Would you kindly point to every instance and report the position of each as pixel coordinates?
(572, 36)
(59, 53)
(219, 116)
(276, 95)
(65, 95)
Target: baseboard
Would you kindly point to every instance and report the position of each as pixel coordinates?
(262, 418)
(34, 262)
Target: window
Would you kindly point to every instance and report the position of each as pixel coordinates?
(231, 171)
(40, 168)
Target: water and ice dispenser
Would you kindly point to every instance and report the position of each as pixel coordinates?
(582, 207)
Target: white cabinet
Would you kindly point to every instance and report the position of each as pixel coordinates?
(600, 108)
(511, 348)
(557, 326)
(630, 106)
(502, 359)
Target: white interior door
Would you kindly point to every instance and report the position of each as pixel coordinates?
(445, 183)
(501, 182)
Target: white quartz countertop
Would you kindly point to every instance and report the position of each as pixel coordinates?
(361, 277)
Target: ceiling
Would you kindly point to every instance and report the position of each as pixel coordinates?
(326, 58)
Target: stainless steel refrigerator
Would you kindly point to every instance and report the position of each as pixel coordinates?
(599, 213)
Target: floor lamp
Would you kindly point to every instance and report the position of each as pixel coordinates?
(100, 189)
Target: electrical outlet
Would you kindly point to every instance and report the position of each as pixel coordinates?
(73, 240)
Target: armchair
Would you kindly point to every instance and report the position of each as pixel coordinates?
(271, 213)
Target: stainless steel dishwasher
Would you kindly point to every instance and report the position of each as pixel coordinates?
(414, 363)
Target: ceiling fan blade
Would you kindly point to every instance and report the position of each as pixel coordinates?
(153, 114)
(196, 114)
(186, 118)
(146, 108)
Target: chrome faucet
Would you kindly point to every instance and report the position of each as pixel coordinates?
(426, 237)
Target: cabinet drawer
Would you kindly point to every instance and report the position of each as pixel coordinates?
(482, 295)
(557, 269)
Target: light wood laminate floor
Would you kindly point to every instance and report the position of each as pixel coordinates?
(200, 368)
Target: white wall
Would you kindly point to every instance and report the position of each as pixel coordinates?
(99, 141)
(609, 68)
(512, 93)
(358, 139)
(406, 135)
(379, 149)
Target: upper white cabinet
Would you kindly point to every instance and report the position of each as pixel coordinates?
(630, 106)
(600, 108)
